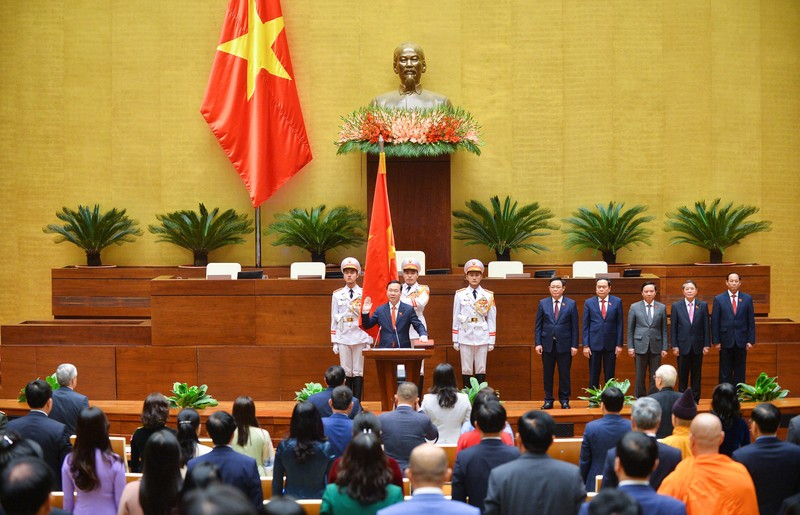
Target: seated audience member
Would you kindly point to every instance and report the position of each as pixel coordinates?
(249, 438)
(92, 471)
(635, 457)
(283, 505)
(363, 484)
(791, 505)
(367, 422)
(645, 415)
(338, 427)
(535, 482)
(428, 472)
(188, 437)
(707, 481)
(304, 459)
(25, 486)
(155, 413)
(13, 446)
(217, 499)
(793, 434)
(52, 436)
(473, 465)
(158, 490)
(683, 412)
(773, 465)
(448, 408)
(234, 469)
(725, 405)
(404, 428)
(202, 476)
(612, 502)
(334, 377)
(601, 435)
(67, 403)
(665, 378)
(469, 431)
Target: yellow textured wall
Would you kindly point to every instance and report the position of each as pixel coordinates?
(654, 102)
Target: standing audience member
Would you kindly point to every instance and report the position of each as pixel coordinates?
(157, 491)
(470, 434)
(304, 459)
(155, 413)
(364, 482)
(601, 435)
(634, 458)
(25, 486)
(67, 403)
(52, 436)
(612, 502)
(217, 499)
(683, 412)
(334, 377)
(405, 428)
(665, 378)
(338, 427)
(602, 332)
(535, 482)
(234, 469)
(96, 472)
(282, 505)
(690, 337)
(793, 434)
(367, 422)
(201, 477)
(725, 405)
(773, 465)
(647, 337)
(447, 407)
(428, 472)
(645, 415)
(249, 439)
(473, 465)
(733, 330)
(13, 446)
(188, 431)
(710, 482)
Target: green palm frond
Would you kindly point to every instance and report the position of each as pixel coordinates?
(318, 232)
(204, 231)
(712, 227)
(607, 228)
(503, 228)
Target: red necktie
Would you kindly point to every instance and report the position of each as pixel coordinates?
(603, 307)
(691, 312)
(394, 316)
(733, 301)
(555, 311)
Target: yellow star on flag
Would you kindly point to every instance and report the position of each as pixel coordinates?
(256, 47)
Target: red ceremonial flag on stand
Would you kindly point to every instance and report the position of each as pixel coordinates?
(380, 266)
(251, 102)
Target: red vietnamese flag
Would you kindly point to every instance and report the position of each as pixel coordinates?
(380, 266)
(251, 102)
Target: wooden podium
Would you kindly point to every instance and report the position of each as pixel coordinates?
(386, 360)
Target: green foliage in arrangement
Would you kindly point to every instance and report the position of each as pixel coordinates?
(595, 394)
(766, 389)
(318, 232)
(607, 229)
(309, 390)
(186, 396)
(473, 389)
(51, 380)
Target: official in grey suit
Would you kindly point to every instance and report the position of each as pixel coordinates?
(67, 403)
(690, 335)
(535, 482)
(647, 337)
(405, 428)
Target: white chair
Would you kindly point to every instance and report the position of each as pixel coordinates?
(306, 269)
(401, 255)
(588, 269)
(499, 269)
(214, 270)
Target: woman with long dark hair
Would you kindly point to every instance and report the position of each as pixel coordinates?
(364, 482)
(249, 439)
(725, 405)
(91, 470)
(368, 422)
(155, 413)
(158, 491)
(304, 458)
(188, 429)
(447, 407)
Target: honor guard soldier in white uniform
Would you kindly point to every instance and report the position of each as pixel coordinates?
(416, 295)
(474, 323)
(348, 339)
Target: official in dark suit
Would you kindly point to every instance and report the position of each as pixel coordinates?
(601, 435)
(793, 433)
(25, 486)
(556, 338)
(535, 482)
(645, 417)
(690, 335)
(733, 330)
(394, 318)
(647, 337)
(67, 403)
(52, 436)
(405, 428)
(338, 427)
(234, 469)
(334, 377)
(602, 332)
(666, 396)
(773, 465)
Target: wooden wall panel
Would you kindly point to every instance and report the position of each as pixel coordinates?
(142, 370)
(293, 320)
(18, 368)
(203, 320)
(77, 332)
(253, 371)
(96, 367)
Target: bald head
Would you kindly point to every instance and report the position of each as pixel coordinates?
(705, 434)
(428, 466)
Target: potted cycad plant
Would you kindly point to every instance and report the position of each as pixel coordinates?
(712, 227)
(503, 228)
(316, 231)
(202, 232)
(607, 229)
(92, 231)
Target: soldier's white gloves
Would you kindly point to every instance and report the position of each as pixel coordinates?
(336, 348)
(455, 345)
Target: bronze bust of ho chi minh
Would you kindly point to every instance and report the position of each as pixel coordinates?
(409, 65)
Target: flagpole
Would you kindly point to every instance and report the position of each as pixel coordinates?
(258, 237)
